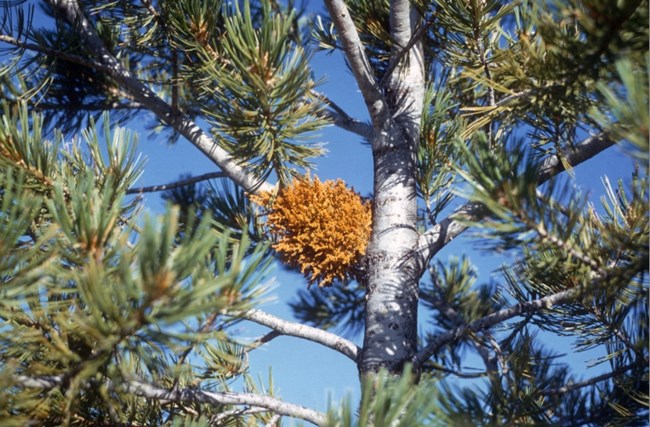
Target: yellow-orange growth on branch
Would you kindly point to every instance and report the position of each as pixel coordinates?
(322, 228)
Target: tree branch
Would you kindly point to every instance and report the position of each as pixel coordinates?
(76, 59)
(141, 93)
(493, 319)
(356, 56)
(437, 237)
(343, 119)
(328, 339)
(194, 396)
(176, 184)
(95, 106)
(528, 307)
(570, 387)
(575, 155)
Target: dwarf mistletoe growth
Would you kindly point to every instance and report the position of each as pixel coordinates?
(322, 228)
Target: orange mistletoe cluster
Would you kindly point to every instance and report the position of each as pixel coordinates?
(322, 228)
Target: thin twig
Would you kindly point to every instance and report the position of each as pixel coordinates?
(573, 386)
(342, 119)
(54, 52)
(176, 184)
(459, 374)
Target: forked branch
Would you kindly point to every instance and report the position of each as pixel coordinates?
(526, 308)
(436, 344)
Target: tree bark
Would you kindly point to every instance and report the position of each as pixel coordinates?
(390, 338)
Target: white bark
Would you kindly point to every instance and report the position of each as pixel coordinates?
(298, 330)
(356, 56)
(392, 287)
(191, 396)
(392, 292)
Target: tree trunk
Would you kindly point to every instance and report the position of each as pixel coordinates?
(391, 308)
(392, 296)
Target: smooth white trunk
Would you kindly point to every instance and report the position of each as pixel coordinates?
(392, 296)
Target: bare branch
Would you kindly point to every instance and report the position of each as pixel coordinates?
(306, 332)
(263, 340)
(575, 155)
(573, 386)
(141, 93)
(177, 184)
(459, 374)
(348, 123)
(95, 106)
(343, 120)
(437, 237)
(356, 56)
(194, 396)
(54, 52)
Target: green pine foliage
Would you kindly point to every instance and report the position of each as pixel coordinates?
(96, 295)
(254, 84)
(110, 315)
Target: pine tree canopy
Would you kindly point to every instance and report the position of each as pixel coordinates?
(481, 118)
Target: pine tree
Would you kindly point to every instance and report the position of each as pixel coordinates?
(479, 110)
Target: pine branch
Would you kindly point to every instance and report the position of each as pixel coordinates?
(141, 93)
(459, 374)
(284, 327)
(356, 56)
(176, 184)
(574, 155)
(493, 319)
(191, 396)
(524, 308)
(437, 237)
